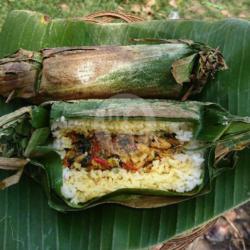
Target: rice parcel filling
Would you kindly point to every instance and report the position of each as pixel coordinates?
(105, 156)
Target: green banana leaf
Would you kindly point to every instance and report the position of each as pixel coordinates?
(26, 220)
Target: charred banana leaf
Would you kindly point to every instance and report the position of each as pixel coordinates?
(175, 69)
(134, 152)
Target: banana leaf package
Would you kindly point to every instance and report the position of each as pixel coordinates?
(174, 69)
(135, 152)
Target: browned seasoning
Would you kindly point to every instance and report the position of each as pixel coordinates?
(106, 151)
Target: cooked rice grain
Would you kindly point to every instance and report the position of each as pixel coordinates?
(180, 173)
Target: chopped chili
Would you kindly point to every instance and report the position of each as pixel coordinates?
(104, 163)
(129, 166)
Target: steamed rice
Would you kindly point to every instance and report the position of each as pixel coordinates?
(179, 172)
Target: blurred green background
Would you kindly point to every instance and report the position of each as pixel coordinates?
(148, 9)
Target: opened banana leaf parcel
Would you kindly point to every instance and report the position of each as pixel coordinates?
(136, 152)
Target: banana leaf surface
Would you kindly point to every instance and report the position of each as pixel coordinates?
(26, 220)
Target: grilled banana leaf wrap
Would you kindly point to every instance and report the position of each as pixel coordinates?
(135, 152)
(173, 69)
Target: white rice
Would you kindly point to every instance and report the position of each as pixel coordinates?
(180, 172)
(184, 130)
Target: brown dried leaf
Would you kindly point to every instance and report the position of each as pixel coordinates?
(150, 3)
(242, 15)
(225, 13)
(147, 10)
(182, 68)
(173, 3)
(64, 7)
(136, 8)
(12, 180)
(12, 164)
